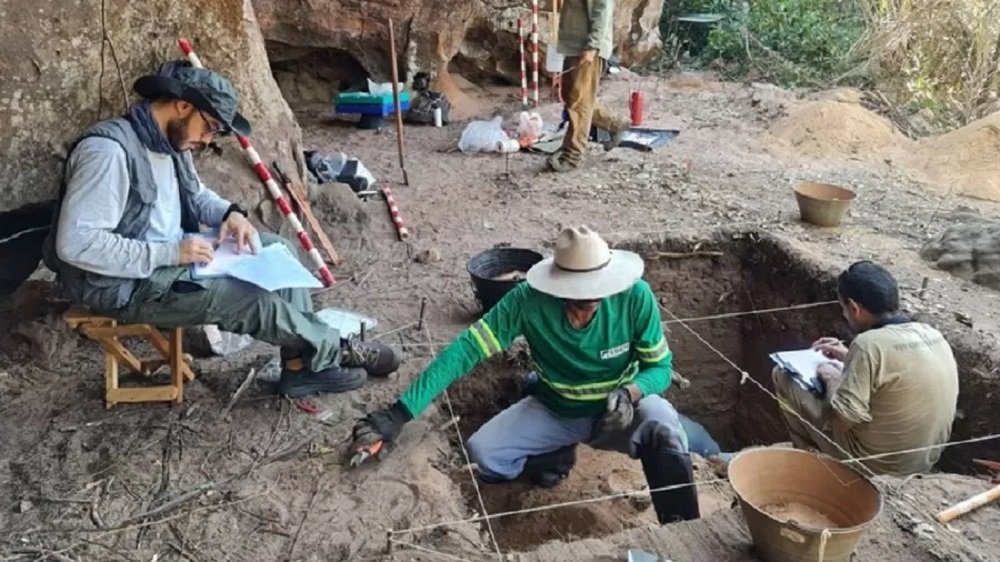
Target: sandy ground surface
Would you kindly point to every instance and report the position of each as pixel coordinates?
(268, 481)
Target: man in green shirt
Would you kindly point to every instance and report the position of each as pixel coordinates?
(585, 28)
(593, 327)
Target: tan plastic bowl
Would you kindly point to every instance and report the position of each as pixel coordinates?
(802, 506)
(823, 204)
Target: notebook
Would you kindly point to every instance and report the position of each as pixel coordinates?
(802, 366)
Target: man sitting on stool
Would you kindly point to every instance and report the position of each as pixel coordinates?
(897, 390)
(120, 242)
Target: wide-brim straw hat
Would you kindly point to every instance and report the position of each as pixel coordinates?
(584, 268)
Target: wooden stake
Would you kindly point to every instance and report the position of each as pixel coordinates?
(395, 100)
(177, 362)
(423, 308)
(301, 200)
(239, 392)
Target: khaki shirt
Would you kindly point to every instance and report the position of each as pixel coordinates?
(586, 24)
(900, 389)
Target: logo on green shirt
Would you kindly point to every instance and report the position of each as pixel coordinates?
(615, 351)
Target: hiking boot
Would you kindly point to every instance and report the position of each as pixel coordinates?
(296, 384)
(617, 133)
(559, 163)
(378, 359)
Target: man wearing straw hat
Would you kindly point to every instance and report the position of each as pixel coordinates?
(593, 328)
(119, 243)
(585, 29)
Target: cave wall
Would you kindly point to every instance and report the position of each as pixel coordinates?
(53, 87)
(432, 32)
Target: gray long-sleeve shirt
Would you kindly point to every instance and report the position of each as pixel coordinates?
(97, 186)
(586, 24)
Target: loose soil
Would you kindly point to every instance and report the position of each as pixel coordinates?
(801, 514)
(269, 482)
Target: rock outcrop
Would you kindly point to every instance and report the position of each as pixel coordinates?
(479, 36)
(970, 249)
(59, 77)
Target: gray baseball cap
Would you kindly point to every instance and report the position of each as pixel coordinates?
(208, 91)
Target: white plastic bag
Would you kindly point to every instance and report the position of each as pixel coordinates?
(482, 136)
(553, 60)
(530, 125)
(225, 343)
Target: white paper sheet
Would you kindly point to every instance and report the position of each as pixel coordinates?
(224, 257)
(274, 268)
(346, 322)
(802, 365)
(271, 268)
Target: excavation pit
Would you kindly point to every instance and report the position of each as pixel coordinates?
(728, 274)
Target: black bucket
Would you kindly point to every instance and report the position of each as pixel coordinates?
(486, 267)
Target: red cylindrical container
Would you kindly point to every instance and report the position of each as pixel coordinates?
(635, 108)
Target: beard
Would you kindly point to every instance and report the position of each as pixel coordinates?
(177, 134)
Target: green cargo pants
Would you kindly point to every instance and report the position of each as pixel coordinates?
(171, 298)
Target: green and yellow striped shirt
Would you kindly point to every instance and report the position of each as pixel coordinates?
(578, 368)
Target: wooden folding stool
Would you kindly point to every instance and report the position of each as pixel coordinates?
(106, 331)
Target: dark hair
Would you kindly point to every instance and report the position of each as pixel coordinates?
(871, 286)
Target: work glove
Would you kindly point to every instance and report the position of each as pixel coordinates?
(618, 414)
(381, 425)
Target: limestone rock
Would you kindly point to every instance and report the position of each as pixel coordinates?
(55, 80)
(331, 39)
(433, 255)
(56, 83)
(970, 250)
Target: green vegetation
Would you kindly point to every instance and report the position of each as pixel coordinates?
(794, 42)
(939, 56)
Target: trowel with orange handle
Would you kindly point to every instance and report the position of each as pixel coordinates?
(365, 452)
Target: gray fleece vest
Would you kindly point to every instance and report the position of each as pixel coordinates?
(103, 293)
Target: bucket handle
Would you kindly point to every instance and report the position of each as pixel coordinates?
(823, 538)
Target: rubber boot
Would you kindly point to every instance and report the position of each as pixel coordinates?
(666, 464)
(549, 469)
(527, 383)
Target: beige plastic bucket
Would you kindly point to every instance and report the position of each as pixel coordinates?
(823, 204)
(801, 506)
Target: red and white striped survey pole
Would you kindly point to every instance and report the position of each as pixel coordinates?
(524, 64)
(394, 212)
(271, 185)
(534, 50)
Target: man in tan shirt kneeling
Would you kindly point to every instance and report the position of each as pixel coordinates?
(897, 389)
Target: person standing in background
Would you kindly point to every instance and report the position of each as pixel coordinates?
(585, 40)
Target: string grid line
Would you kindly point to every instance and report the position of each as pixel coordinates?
(900, 499)
(674, 319)
(468, 461)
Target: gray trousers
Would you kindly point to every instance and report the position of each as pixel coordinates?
(171, 298)
(502, 445)
(811, 409)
